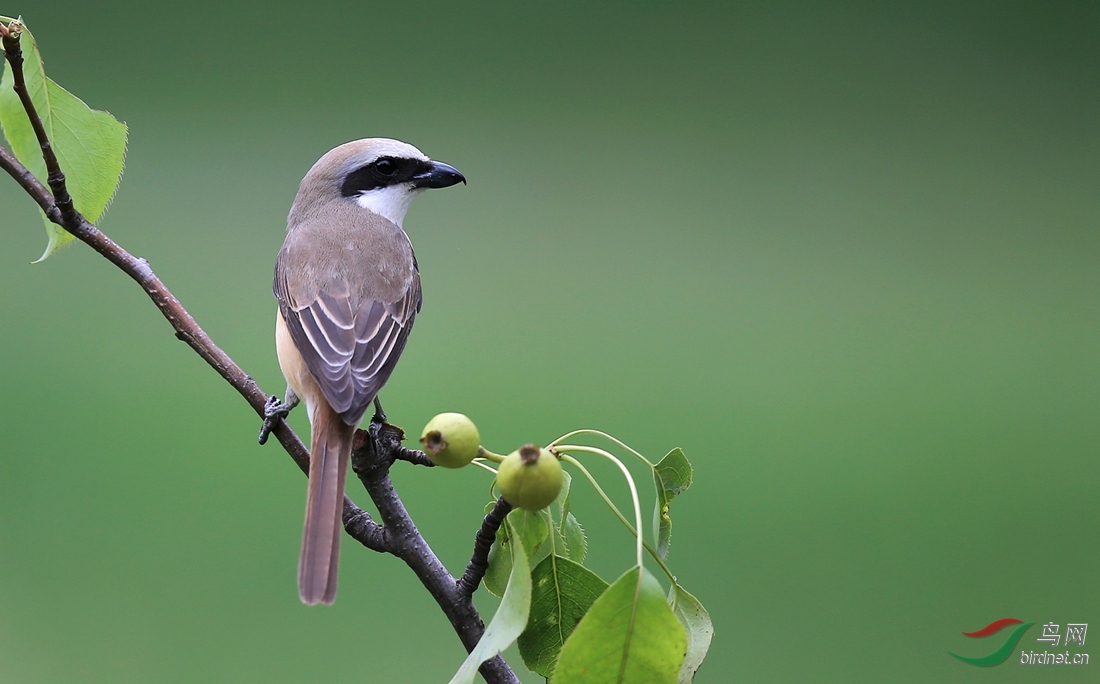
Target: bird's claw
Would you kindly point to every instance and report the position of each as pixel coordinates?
(379, 417)
(274, 411)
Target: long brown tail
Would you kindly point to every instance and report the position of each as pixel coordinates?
(328, 468)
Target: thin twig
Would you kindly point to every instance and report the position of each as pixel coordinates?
(483, 541)
(56, 179)
(399, 536)
(414, 456)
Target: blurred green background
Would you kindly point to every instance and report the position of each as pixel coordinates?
(846, 256)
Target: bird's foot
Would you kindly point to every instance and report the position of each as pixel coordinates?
(274, 411)
(380, 427)
(380, 416)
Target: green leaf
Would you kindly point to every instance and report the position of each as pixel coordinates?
(554, 542)
(527, 526)
(629, 636)
(510, 619)
(566, 537)
(575, 540)
(562, 592)
(90, 145)
(563, 496)
(671, 475)
(700, 630)
(569, 529)
(500, 565)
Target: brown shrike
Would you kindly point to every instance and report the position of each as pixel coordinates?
(348, 290)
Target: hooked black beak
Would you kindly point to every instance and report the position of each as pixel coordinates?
(438, 175)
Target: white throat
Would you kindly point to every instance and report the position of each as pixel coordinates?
(390, 202)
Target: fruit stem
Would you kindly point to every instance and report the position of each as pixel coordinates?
(629, 481)
(482, 452)
(621, 445)
(478, 463)
(619, 514)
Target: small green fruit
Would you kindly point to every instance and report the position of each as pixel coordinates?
(530, 478)
(451, 440)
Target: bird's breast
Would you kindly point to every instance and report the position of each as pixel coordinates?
(370, 258)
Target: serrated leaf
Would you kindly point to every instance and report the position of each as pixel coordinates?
(575, 540)
(672, 476)
(629, 636)
(561, 593)
(558, 541)
(563, 496)
(700, 630)
(569, 528)
(90, 145)
(509, 620)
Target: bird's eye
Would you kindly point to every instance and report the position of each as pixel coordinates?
(385, 167)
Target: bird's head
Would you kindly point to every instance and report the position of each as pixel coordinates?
(379, 174)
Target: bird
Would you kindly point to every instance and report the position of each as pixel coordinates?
(348, 290)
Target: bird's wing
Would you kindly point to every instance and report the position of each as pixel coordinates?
(350, 344)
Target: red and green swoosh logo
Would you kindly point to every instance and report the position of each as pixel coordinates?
(1001, 654)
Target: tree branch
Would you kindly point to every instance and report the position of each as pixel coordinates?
(414, 456)
(399, 536)
(483, 542)
(372, 455)
(14, 54)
